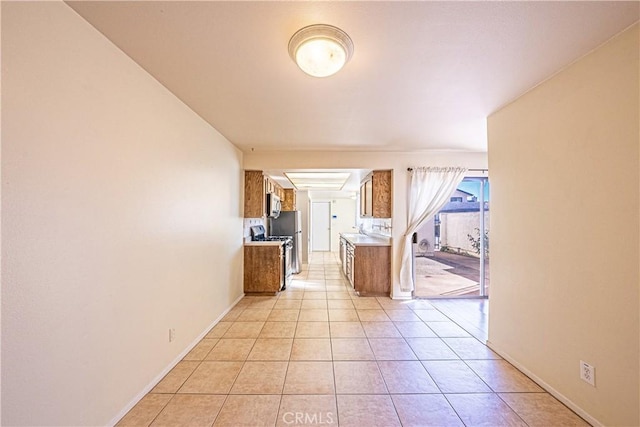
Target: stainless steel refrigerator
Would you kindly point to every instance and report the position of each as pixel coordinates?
(289, 223)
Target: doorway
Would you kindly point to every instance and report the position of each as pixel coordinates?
(450, 257)
(320, 226)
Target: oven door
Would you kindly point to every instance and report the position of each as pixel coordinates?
(286, 266)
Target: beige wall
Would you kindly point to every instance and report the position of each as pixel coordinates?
(564, 231)
(398, 162)
(121, 218)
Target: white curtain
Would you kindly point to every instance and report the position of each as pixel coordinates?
(429, 190)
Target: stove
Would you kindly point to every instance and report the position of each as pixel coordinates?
(258, 233)
(285, 239)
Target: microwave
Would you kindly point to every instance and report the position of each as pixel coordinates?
(273, 205)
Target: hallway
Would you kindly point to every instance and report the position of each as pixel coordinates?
(317, 354)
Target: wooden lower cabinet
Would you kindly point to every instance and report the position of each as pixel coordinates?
(372, 270)
(263, 269)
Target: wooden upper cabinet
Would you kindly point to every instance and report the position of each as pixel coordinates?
(375, 195)
(289, 200)
(273, 187)
(381, 194)
(269, 186)
(256, 187)
(254, 194)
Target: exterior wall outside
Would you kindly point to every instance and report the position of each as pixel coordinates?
(461, 194)
(121, 218)
(427, 232)
(564, 276)
(455, 226)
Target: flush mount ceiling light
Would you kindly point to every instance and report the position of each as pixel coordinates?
(318, 180)
(320, 50)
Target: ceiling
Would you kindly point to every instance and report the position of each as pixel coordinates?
(424, 75)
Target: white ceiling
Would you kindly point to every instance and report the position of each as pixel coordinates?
(424, 75)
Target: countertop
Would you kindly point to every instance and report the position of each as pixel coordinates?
(364, 240)
(263, 243)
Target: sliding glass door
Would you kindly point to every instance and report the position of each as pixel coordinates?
(451, 251)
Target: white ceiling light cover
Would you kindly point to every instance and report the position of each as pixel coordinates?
(318, 180)
(320, 50)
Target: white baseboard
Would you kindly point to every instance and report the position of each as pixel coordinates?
(400, 295)
(172, 365)
(552, 391)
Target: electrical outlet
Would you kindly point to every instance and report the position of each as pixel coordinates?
(588, 373)
(172, 335)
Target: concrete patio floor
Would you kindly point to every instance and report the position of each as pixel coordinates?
(447, 274)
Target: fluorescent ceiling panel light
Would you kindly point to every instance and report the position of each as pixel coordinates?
(318, 180)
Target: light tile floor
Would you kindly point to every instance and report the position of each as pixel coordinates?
(317, 354)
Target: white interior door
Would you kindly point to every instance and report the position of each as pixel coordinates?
(320, 226)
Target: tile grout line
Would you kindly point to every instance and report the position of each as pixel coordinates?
(257, 304)
(333, 367)
(512, 409)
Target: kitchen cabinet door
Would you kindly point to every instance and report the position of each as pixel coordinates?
(254, 194)
(263, 269)
(289, 200)
(371, 270)
(256, 187)
(375, 195)
(381, 194)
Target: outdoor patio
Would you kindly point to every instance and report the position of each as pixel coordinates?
(446, 274)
